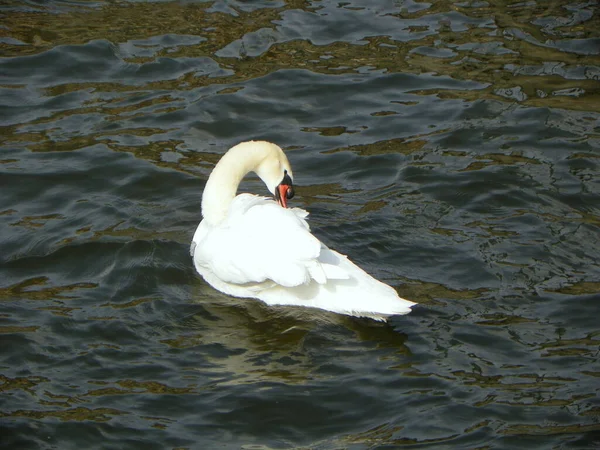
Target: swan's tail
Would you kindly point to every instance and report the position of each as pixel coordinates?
(349, 290)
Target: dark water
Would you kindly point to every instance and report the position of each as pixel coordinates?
(452, 149)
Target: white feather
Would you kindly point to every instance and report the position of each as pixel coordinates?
(255, 248)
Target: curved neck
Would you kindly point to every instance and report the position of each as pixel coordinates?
(225, 178)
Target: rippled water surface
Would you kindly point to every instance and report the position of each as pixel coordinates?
(452, 149)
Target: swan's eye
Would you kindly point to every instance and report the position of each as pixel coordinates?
(290, 193)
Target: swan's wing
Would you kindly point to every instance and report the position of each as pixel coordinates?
(261, 241)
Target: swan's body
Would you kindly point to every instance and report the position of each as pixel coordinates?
(251, 246)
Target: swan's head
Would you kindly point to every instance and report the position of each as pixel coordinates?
(276, 173)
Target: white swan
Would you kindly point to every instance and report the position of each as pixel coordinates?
(251, 246)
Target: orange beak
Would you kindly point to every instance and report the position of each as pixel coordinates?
(281, 194)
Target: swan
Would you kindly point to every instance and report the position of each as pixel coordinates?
(256, 247)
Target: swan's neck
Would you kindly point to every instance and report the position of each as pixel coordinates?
(225, 178)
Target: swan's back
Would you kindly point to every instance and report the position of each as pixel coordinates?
(267, 252)
(258, 241)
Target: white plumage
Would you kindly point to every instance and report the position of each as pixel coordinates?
(251, 246)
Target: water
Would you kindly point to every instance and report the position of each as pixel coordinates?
(449, 148)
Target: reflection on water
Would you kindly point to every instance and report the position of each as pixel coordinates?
(450, 148)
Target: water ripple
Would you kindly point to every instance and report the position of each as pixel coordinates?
(450, 148)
